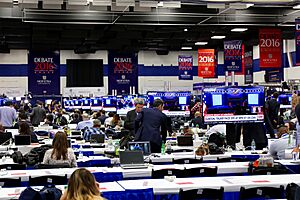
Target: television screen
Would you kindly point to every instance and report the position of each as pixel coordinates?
(253, 99)
(182, 100)
(217, 99)
(107, 101)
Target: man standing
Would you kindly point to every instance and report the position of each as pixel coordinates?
(131, 115)
(7, 115)
(38, 114)
(151, 125)
(272, 107)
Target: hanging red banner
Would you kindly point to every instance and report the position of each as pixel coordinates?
(270, 48)
(206, 63)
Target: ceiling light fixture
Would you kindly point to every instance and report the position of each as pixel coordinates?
(160, 4)
(185, 30)
(218, 37)
(186, 48)
(201, 43)
(297, 6)
(239, 29)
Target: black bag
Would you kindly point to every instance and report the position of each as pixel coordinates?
(217, 138)
(17, 157)
(292, 191)
(214, 149)
(36, 155)
(49, 192)
(124, 141)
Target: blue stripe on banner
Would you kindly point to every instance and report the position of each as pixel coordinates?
(294, 58)
(256, 65)
(220, 70)
(13, 70)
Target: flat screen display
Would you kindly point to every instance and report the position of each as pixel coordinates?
(253, 99)
(217, 99)
(182, 100)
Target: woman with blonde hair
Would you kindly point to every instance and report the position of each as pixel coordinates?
(82, 186)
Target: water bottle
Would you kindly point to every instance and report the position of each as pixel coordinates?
(169, 148)
(117, 147)
(80, 152)
(162, 149)
(253, 145)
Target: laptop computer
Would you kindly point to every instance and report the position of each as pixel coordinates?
(140, 146)
(97, 138)
(5, 138)
(22, 140)
(76, 135)
(184, 140)
(72, 126)
(132, 160)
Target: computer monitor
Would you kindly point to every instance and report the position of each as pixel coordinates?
(97, 138)
(217, 99)
(185, 140)
(253, 99)
(5, 138)
(140, 146)
(131, 157)
(22, 140)
(182, 100)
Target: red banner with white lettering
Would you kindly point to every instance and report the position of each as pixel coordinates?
(270, 48)
(206, 63)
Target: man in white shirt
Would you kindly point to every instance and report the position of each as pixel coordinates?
(7, 115)
(108, 120)
(85, 123)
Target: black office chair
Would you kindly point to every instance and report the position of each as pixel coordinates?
(201, 193)
(46, 166)
(44, 180)
(168, 172)
(182, 150)
(13, 166)
(10, 182)
(229, 159)
(262, 192)
(267, 171)
(201, 171)
(187, 161)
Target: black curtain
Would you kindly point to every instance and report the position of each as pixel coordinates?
(84, 73)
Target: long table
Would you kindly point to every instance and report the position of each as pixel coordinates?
(231, 184)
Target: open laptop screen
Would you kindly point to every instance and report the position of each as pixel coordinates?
(140, 146)
(131, 157)
(184, 140)
(22, 140)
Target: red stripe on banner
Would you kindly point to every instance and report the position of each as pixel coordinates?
(270, 48)
(184, 183)
(261, 181)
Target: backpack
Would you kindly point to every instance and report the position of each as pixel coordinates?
(292, 191)
(17, 157)
(217, 138)
(36, 155)
(49, 192)
(214, 149)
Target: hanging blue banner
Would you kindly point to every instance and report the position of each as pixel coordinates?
(297, 36)
(274, 75)
(233, 52)
(185, 67)
(44, 73)
(248, 59)
(122, 73)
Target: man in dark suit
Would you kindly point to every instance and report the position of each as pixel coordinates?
(151, 125)
(131, 115)
(272, 107)
(38, 114)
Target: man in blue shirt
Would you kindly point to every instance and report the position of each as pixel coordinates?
(92, 130)
(7, 115)
(85, 123)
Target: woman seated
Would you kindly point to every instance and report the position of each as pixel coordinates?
(116, 121)
(24, 129)
(278, 147)
(82, 186)
(60, 154)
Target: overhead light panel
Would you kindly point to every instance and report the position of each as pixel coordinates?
(185, 30)
(148, 4)
(240, 6)
(28, 3)
(101, 3)
(201, 43)
(216, 5)
(239, 29)
(125, 3)
(297, 6)
(218, 37)
(160, 4)
(77, 2)
(6, 3)
(186, 48)
(172, 4)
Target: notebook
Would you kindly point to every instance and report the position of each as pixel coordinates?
(140, 146)
(22, 140)
(97, 138)
(185, 140)
(132, 160)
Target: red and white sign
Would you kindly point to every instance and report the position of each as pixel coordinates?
(206, 63)
(270, 48)
(226, 118)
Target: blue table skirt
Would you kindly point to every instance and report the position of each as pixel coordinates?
(114, 195)
(95, 163)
